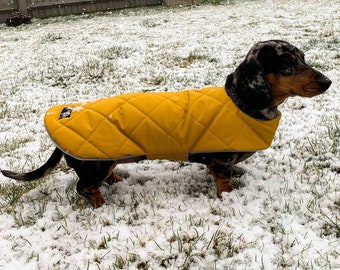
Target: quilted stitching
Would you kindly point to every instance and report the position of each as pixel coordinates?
(147, 117)
(118, 127)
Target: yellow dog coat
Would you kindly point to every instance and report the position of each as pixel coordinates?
(166, 125)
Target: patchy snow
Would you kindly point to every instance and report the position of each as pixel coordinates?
(165, 215)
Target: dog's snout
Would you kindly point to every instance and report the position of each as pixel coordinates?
(324, 82)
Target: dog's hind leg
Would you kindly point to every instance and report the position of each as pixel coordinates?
(90, 193)
(115, 178)
(91, 175)
(112, 177)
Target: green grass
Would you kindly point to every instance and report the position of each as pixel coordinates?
(168, 217)
(12, 193)
(8, 146)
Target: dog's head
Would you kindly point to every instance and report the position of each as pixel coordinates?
(272, 71)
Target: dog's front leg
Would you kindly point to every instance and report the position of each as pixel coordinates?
(221, 172)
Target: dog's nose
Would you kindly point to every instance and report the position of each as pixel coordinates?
(324, 83)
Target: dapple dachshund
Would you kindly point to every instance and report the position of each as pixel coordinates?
(271, 72)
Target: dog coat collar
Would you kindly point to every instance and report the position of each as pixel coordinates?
(167, 125)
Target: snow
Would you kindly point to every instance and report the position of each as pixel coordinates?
(165, 215)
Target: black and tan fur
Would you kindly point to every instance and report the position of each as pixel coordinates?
(271, 72)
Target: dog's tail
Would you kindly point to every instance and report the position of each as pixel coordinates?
(45, 169)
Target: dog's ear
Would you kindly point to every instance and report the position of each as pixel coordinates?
(248, 83)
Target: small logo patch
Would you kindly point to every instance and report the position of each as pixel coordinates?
(65, 113)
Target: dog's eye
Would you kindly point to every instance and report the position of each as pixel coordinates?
(286, 64)
(302, 57)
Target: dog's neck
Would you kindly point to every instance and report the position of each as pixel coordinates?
(268, 113)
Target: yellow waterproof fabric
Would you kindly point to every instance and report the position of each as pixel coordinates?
(165, 125)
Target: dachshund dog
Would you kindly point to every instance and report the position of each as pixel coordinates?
(271, 72)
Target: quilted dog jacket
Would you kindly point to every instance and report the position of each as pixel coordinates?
(167, 125)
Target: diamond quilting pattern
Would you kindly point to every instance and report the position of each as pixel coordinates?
(158, 125)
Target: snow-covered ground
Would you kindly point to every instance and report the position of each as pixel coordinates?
(165, 215)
